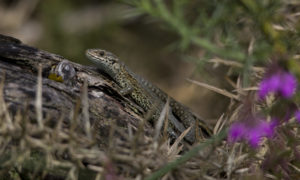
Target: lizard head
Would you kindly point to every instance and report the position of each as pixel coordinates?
(106, 61)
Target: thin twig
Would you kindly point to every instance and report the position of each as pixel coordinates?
(235, 64)
(38, 99)
(215, 89)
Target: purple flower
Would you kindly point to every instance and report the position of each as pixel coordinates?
(252, 133)
(297, 115)
(281, 82)
(236, 132)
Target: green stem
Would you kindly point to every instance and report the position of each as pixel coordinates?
(246, 71)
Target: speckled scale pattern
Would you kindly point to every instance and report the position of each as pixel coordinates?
(125, 80)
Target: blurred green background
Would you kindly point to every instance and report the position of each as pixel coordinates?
(165, 41)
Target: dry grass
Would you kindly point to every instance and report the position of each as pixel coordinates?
(33, 150)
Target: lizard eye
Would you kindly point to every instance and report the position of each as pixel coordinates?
(101, 53)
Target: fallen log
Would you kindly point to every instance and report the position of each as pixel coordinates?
(62, 97)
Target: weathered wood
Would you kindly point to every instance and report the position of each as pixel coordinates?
(19, 64)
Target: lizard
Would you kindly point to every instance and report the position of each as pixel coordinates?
(65, 72)
(146, 94)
